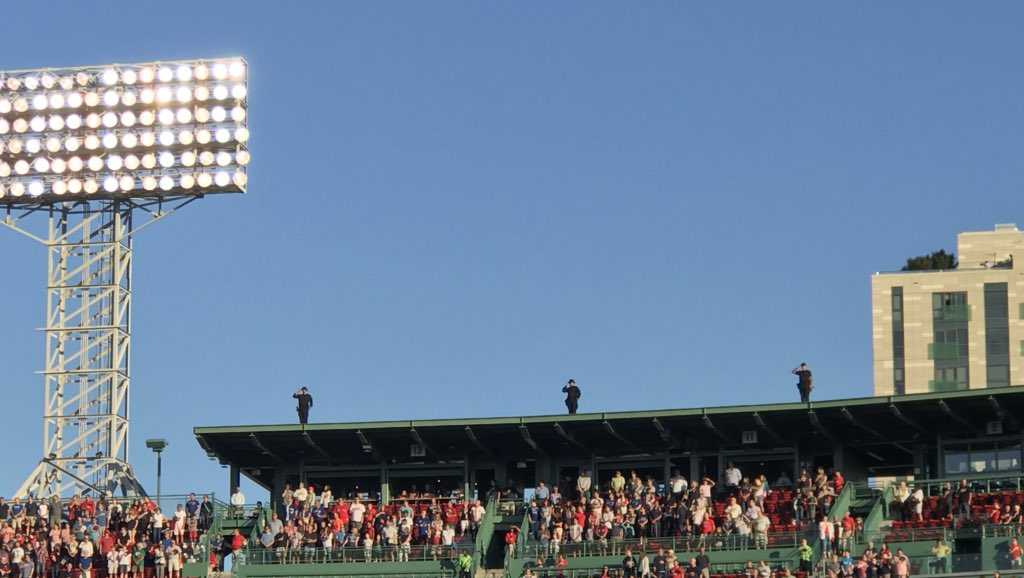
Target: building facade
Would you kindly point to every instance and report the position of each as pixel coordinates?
(935, 331)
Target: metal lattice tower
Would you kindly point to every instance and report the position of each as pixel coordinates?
(87, 369)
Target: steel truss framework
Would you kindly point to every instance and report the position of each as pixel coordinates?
(87, 369)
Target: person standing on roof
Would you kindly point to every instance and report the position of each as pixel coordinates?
(804, 382)
(305, 401)
(572, 396)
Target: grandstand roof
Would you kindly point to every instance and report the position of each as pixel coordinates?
(885, 425)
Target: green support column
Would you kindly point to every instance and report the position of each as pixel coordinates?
(385, 484)
(234, 479)
(466, 482)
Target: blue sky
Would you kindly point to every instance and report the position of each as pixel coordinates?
(456, 206)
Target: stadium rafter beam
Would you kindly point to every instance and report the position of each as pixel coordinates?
(417, 438)
(1002, 414)
(816, 423)
(476, 441)
(906, 419)
(524, 431)
(761, 423)
(568, 436)
(870, 430)
(608, 427)
(315, 446)
(666, 434)
(706, 420)
(948, 411)
(255, 441)
(368, 446)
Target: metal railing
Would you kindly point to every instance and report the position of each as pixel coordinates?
(376, 553)
(711, 543)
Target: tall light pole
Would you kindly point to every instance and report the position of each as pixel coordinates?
(157, 445)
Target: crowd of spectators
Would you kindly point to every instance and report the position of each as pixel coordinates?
(318, 526)
(737, 509)
(953, 505)
(98, 538)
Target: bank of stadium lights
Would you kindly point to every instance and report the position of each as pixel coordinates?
(136, 130)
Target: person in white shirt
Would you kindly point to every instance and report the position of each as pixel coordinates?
(677, 483)
(237, 502)
(356, 511)
(732, 477)
(158, 525)
(583, 484)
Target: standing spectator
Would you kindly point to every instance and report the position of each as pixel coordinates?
(900, 564)
(237, 502)
(572, 396)
(583, 484)
(806, 554)
(941, 553)
(1015, 553)
(304, 402)
(465, 564)
(732, 478)
(804, 382)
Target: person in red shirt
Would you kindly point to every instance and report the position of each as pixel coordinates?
(707, 527)
(676, 571)
(237, 541)
(993, 514)
(847, 528)
(511, 537)
(838, 481)
(1015, 553)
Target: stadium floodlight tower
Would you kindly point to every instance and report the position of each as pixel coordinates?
(92, 148)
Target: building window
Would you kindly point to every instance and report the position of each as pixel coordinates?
(979, 458)
(898, 378)
(997, 335)
(949, 348)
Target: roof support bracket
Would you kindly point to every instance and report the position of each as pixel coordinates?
(713, 428)
(568, 437)
(255, 441)
(525, 433)
(761, 423)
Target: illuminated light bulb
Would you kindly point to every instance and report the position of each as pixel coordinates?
(164, 94)
(72, 143)
(115, 162)
(21, 167)
(222, 179)
(202, 136)
(183, 94)
(238, 114)
(204, 179)
(220, 71)
(223, 135)
(237, 69)
(91, 186)
(82, 78)
(5, 170)
(166, 116)
(239, 91)
(110, 140)
(147, 138)
(146, 117)
(166, 138)
(146, 75)
(95, 164)
(20, 125)
(223, 158)
(149, 183)
(75, 164)
(17, 189)
(187, 181)
(240, 179)
(127, 183)
(92, 142)
(74, 186)
(56, 122)
(218, 114)
(13, 83)
(5, 106)
(202, 72)
(166, 159)
(206, 158)
(220, 92)
(129, 77)
(109, 77)
(56, 100)
(21, 104)
(33, 145)
(35, 188)
(59, 187)
(129, 140)
(202, 115)
(109, 119)
(242, 158)
(165, 74)
(48, 81)
(147, 96)
(149, 161)
(58, 166)
(74, 122)
(53, 144)
(5, 126)
(188, 159)
(40, 102)
(31, 82)
(184, 73)
(92, 99)
(111, 98)
(14, 145)
(41, 165)
(67, 82)
(38, 124)
(74, 99)
(128, 98)
(185, 137)
(242, 134)
(128, 118)
(183, 116)
(93, 120)
(166, 183)
(202, 93)
(110, 184)
(131, 162)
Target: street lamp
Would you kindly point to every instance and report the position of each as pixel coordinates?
(157, 445)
